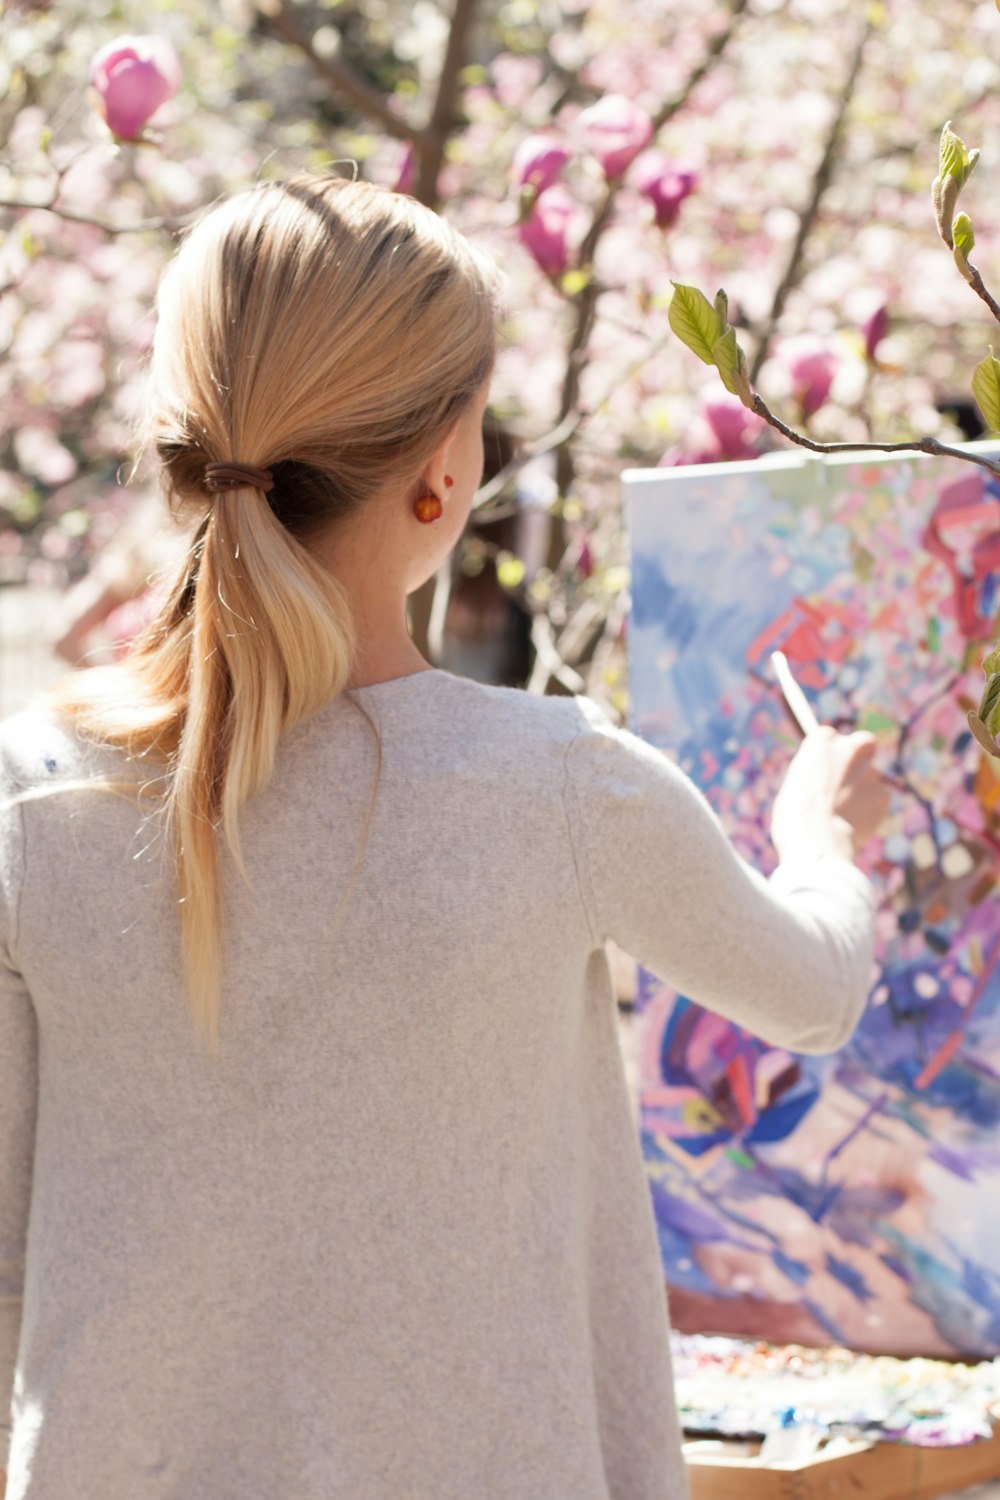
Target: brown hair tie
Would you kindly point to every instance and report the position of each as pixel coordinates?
(237, 477)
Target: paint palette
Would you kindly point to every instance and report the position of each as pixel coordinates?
(852, 1199)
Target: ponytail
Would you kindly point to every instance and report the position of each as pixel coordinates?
(300, 327)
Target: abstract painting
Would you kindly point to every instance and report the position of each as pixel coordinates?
(853, 1198)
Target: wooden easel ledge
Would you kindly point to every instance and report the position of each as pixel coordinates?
(843, 1470)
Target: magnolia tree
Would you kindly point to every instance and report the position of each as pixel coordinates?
(604, 152)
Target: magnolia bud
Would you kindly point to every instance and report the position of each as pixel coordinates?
(133, 76)
(545, 233)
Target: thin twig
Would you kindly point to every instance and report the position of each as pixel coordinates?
(808, 216)
(502, 478)
(548, 662)
(978, 286)
(74, 217)
(915, 445)
(558, 435)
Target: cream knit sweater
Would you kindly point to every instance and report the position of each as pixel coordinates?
(396, 1242)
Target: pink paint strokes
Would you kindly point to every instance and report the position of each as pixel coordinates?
(853, 1198)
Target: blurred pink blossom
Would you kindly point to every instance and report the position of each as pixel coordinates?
(516, 78)
(812, 364)
(726, 432)
(406, 175)
(665, 184)
(546, 233)
(615, 130)
(538, 161)
(735, 429)
(875, 330)
(133, 76)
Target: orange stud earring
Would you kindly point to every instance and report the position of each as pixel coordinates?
(448, 481)
(428, 508)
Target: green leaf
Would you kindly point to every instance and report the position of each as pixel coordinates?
(963, 234)
(721, 305)
(989, 708)
(991, 663)
(956, 160)
(986, 389)
(695, 321)
(954, 156)
(730, 361)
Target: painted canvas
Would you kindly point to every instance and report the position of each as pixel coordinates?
(856, 1197)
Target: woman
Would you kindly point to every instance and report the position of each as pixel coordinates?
(309, 1070)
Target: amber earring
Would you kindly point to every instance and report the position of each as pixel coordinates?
(428, 507)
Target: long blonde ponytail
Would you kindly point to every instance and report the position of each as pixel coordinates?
(333, 333)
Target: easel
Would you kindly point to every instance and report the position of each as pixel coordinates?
(847, 1471)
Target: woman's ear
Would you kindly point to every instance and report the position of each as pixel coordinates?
(437, 465)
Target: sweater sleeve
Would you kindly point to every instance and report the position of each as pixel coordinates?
(18, 1081)
(789, 957)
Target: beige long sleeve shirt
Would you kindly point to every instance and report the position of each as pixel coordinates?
(396, 1242)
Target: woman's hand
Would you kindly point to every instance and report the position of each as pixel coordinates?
(832, 796)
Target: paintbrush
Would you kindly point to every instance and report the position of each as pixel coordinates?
(798, 704)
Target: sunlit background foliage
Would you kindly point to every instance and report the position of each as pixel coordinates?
(796, 140)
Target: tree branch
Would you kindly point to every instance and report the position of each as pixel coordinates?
(713, 52)
(432, 140)
(916, 445)
(338, 74)
(807, 218)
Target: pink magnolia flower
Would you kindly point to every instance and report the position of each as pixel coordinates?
(615, 131)
(133, 76)
(665, 184)
(538, 161)
(546, 232)
(875, 330)
(812, 364)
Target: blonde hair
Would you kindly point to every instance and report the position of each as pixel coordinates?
(332, 332)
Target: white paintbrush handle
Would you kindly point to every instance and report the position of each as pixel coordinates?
(801, 708)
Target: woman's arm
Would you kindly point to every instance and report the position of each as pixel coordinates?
(788, 958)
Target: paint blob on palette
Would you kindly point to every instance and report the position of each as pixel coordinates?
(853, 1198)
